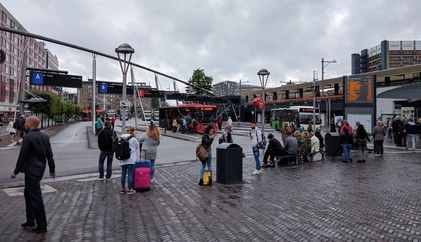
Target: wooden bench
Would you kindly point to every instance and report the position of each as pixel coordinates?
(279, 158)
(312, 154)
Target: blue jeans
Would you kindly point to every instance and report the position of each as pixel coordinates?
(389, 134)
(102, 156)
(347, 151)
(256, 153)
(410, 141)
(207, 163)
(35, 211)
(152, 168)
(127, 169)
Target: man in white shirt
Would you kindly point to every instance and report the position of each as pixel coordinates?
(256, 137)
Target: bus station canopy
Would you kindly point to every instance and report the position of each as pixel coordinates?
(410, 92)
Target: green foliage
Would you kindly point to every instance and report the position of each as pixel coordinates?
(154, 103)
(200, 83)
(54, 104)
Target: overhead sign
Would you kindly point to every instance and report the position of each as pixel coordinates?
(60, 80)
(103, 88)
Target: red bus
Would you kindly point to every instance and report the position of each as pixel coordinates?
(203, 114)
(86, 115)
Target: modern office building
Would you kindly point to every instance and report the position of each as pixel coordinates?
(225, 88)
(387, 55)
(10, 70)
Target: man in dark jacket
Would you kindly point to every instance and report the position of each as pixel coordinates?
(398, 130)
(105, 144)
(274, 148)
(35, 150)
(20, 127)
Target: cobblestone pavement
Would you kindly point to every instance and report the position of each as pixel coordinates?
(320, 201)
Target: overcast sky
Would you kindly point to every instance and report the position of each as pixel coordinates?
(230, 40)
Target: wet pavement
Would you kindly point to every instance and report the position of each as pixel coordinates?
(320, 201)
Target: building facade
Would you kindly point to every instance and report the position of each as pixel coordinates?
(226, 88)
(387, 55)
(14, 46)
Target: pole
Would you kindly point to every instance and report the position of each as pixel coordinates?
(134, 99)
(239, 109)
(23, 78)
(263, 110)
(314, 105)
(93, 92)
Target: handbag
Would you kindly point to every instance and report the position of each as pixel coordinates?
(201, 152)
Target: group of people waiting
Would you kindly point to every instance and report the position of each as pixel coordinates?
(404, 132)
(184, 124)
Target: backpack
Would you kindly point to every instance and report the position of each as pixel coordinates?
(263, 142)
(223, 138)
(122, 149)
(401, 127)
(114, 139)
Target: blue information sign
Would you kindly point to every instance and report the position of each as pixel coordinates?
(103, 88)
(37, 78)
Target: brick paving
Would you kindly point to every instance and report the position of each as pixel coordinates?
(320, 201)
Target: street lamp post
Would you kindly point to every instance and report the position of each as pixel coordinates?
(329, 93)
(314, 87)
(323, 74)
(239, 110)
(125, 50)
(263, 77)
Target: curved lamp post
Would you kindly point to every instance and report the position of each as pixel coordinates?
(126, 51)
(263, 77)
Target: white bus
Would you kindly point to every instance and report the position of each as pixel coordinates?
(147, 115)
(305, 114)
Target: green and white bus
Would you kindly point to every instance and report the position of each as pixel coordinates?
(279, 116)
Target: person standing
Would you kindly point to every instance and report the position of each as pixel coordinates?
(99, 124)
(378, 134)
(361, 139)
(389, 129)
(256, 137)
(284, 131)
(11, 130)
(207, 139)
(150, 141)
(19, 125)
(229, 121)
(291, 146)
(398, 130)
(112, 122)
(128, 165)
(346, 141)
(274, 148)
(105, 145)
(34, 154)
(219, 122)
(411, 131)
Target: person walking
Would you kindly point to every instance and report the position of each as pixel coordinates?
(34, 154)
(346, 141)
(105, 145)
(378, 134)
(256, 137)
(207, 139)
(219, 122)
(99, 124)
(128, 165)
(227, 136)
(361, 139)
(229, 121)
(19, 126)
(150, 141)
(11, 130)
(389, 129)
(411, 131)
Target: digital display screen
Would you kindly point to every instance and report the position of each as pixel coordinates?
(359, 89)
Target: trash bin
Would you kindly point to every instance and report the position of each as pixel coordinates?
(229, 164)
(332, 147)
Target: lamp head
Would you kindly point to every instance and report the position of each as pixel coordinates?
(124, 49)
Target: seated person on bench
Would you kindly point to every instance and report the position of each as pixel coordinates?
(291, 148)
(274, 148)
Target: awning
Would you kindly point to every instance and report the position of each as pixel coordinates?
(410, 92)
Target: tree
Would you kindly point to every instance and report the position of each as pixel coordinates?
(154, 103)
(200, 83)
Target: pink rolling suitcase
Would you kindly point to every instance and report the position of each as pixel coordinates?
(142, 175)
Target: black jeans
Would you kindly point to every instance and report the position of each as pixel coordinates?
(35, 212)
(378, 146)
(272, 153)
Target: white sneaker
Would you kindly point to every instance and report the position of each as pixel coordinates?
(151, 180)
(100, 179)
(256, 172)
